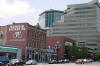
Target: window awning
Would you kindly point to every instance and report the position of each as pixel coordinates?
(8, 49)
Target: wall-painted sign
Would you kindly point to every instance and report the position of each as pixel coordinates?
(16, 32)
(16, 27)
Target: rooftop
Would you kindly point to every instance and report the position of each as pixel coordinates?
(51, 10)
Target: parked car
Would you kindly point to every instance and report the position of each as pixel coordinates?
(66, 61)
(1, 63)
(16, 62)
(31, 62)
(99, 60)
(4, 59)
(90, 60)
(60, 61)
(52, 62)
(85, 61)
(79, 61)
(63, 61)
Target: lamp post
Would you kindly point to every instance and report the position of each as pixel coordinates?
(57, 47)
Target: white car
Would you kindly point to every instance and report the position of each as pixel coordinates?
(31, 62)
(14, 61)
(85, 60)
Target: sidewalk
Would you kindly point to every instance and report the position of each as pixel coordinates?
(42, 63)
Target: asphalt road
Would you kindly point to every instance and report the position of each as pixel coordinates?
(67, 64)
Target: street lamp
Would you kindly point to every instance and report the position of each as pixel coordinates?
(57, 47)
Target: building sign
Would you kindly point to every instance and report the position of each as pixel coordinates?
(16, 27)
(16, 32)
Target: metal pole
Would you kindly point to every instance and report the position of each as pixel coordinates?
(57, 53)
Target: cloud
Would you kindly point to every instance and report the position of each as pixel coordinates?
(18, 11)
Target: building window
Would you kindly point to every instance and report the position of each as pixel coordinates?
(91, 44)
(83, 8)
(81, 12)
(86, 16)
(1, 34)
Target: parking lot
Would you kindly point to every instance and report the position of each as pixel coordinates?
(67, 64)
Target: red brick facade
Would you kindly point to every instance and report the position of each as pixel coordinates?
(3, 35)
(51, 41)
(24, 35)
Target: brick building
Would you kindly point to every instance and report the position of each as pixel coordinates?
(3, 36)
(32, 39)
(64, 41)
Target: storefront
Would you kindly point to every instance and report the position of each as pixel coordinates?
(10, 52)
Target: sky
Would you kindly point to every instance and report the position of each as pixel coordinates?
(19, 11)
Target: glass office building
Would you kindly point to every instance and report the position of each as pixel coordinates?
(47, 18)
(81, 23)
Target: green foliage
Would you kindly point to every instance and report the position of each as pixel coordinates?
(97, 55)
(78, 52)
(83, 52)
(74, 51)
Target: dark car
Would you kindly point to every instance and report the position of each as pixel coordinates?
(99, 60)
(16, 62)
(63, 61)
(1, 63)
(4, 59)
(60, 61)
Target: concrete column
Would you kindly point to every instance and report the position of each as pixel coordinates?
(34, 55)
(29, 54)
(19, 54)
(7, 55)
(40, 56)
(26, 54)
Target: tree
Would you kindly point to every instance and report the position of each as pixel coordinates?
(74, 51)
(97, 55)
(83, 52)
(78, 52)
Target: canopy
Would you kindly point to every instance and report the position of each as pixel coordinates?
(8, 49)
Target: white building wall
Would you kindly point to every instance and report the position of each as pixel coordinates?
(80, 26)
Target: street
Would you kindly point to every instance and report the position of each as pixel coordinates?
(68, 64)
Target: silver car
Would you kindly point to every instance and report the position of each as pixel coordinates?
(31, 62)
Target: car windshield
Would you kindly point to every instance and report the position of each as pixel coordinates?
(79, 60)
